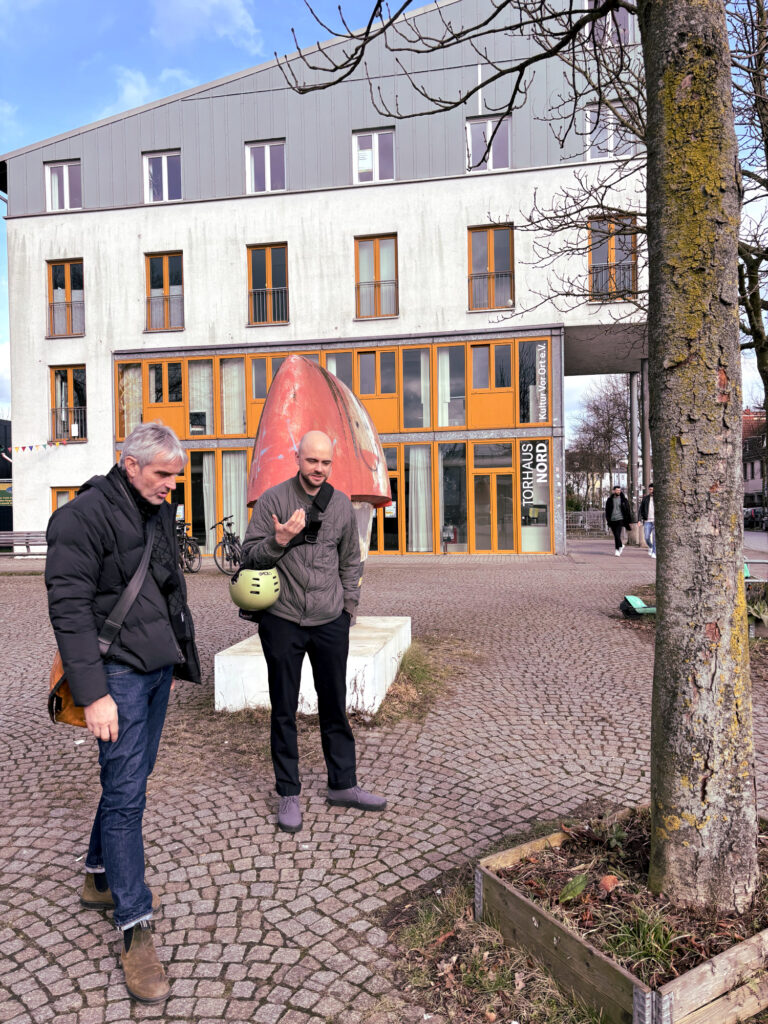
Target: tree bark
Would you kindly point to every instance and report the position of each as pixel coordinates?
(703, 801)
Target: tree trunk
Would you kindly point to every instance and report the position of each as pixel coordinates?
(703, 801)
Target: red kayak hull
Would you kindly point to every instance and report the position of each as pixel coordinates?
(304, 396)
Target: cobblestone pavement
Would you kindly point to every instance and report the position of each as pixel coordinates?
(548, 707)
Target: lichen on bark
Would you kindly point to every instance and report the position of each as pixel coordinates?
(704, 818)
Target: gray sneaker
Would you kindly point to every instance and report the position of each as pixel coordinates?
(289, 814)
(356, 797)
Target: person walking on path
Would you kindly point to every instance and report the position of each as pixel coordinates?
(618, 515)
(119, 525)
(308, 531)
(647, 519)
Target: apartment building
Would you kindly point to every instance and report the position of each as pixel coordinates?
(164, 261)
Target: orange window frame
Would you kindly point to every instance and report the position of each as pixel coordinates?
(67, 264)
(533, 423)
(620, 227)
(270, 298)
(377, 304)
(490, 268)
(74, 419)
(120, 431)
(164, 256)
(56, 491)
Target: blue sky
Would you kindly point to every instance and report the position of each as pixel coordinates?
(65, 66)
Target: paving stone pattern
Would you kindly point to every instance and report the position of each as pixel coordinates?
(548, 708)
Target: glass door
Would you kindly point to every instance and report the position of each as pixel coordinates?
(493, 523)
(385, 529)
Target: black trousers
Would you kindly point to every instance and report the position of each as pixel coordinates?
(616, 528)
(284, 645)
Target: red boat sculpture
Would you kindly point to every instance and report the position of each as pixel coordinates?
(304, 396)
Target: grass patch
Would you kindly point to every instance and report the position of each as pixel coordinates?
(463, 970)
(424, 672)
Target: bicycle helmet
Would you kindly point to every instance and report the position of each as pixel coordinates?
(253, 590)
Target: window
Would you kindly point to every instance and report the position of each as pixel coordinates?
(417, 484)
(376, 276)
(607, 136)
(66, 308)
(374, 156)
(63, 186)
(162, 177)
(165, 386)
(479, 135)
(232, 380)
(416, 400)
(268, 284)
(612, 260)
(130, 398)
(451, 386)
(533, 381)
(340, 365)
(265, 166)
(491, 281)
(614, 29)
(61, 495)
(377, 373)
(200, 390)
(165, 292)
(68, 415)
(485, 357)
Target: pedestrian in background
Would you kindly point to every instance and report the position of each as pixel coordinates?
(118, 528)
(618, 515)
(647, 519)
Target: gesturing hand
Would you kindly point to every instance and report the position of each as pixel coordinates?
(101, 718)
(285, 532)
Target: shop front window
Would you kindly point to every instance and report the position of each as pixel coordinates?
(418, 497)
(452, 469)
(200, 396)
(202, 467)
(340, 365)
(535, 510)
(533, 381)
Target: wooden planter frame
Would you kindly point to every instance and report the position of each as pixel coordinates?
(730, 987)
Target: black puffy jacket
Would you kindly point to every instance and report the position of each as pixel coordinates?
(95, 544)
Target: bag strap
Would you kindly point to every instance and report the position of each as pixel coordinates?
(114, 620)
(309, 534)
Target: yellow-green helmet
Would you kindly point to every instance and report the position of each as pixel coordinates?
(253, 590)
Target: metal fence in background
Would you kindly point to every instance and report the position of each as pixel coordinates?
(590, 521)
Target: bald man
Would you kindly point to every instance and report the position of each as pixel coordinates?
(308, 531)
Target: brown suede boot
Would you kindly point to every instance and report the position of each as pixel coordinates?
(93, 899)
(144, 974)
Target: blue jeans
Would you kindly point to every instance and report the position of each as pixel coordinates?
(649, 529)
(116, 844)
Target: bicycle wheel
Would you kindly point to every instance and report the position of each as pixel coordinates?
(192, 557)
(224, 559)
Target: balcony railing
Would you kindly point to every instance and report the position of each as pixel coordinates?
(65, 318)
(491, 291)
(165, 312)
(377, 298)
(613, 280)
(268, 306)
(69, 424)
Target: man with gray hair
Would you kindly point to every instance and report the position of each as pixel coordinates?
(117, 530)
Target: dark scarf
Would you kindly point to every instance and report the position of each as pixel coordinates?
(163, 562)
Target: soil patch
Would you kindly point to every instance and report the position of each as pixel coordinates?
(596, 884)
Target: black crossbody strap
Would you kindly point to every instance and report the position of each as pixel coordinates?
(114, 620)
(320, 503)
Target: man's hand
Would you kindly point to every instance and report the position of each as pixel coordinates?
(285, 532)
(101, 718)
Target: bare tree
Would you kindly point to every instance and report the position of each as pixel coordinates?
(604, 428)
(704, 821)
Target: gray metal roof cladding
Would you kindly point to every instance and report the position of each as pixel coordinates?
(211, 123)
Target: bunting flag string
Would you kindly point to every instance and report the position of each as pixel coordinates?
(7, 451)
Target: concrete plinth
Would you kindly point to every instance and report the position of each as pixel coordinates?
(376, 647)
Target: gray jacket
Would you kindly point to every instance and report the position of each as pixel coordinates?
(317, 581)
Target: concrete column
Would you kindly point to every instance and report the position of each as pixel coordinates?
(645, 407)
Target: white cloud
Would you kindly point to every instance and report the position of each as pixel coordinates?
(177, 22)
(134, 89)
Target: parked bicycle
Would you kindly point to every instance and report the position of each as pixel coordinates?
(228, 553)
(190, 558)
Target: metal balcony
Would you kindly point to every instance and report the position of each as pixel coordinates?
(613, 280)
(268, 306)
(376, 298)
(165, 312)
(66, 318)
(492, 290)
(69, 424)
